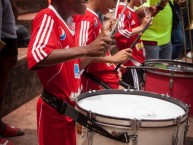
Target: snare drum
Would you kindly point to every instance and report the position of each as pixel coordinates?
(174, 78)
(153, 118)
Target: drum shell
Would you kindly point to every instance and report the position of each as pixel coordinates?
(145, 136)
(149, 132)
(172, 83)
(182, 87)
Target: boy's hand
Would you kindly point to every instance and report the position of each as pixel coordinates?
(122, 56)
(108, 26)
(140, 12)
(145, 21)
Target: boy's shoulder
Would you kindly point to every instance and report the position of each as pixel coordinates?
(86, 17)
(45, 12)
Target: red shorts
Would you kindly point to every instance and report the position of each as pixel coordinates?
(54, 128)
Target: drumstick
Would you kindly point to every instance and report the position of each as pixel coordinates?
(118, 1)
(143, 8)
(134, 43)
(117, 22)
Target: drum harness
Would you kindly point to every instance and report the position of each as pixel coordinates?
(66, 109)
(96, 80)
(104, 85)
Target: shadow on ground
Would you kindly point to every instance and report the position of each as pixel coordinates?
(189, 141)
(30, 138)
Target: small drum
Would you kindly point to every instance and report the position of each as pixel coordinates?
(152, 118)
(174, 78)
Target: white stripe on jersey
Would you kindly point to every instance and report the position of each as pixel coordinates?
(55, 74)
(40, 118)
(83, 38)
(135, 79)
(121, 29)
(42, 38)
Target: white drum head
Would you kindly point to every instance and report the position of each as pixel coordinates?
(131, 107)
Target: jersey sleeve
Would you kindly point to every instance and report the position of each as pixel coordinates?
(124, 29)
(41, 41)
(84, 32)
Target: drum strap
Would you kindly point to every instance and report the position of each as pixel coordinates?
(125, 85)
(68, 110)
(96, 80)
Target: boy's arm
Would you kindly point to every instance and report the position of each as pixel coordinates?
(151, 9)
(41, 53)
(2, 45)
(143, 25)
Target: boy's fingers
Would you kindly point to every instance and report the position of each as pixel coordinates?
(128, 50)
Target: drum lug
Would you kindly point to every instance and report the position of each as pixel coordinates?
(171, 80)
(144, 76)
(135, 125)
(91, 115)
(175, 137)
(186, 128)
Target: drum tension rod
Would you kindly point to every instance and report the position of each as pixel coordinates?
(90, 133)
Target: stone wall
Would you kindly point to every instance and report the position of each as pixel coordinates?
(30, 6)
(23, 86)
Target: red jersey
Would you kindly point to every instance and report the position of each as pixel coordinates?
(128, 21)
(87, 28)
(50, 32)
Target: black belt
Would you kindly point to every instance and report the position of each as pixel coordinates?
(68, 110)
(153, 43)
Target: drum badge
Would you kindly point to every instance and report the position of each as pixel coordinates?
(129, 15)
(62, 33)
(95, 22)
(76, 71)
(79, 128)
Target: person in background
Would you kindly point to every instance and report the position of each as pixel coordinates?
(177, 33)
(87, 28)
(54, 56)
(8, 59)
(188, 30)
(15, 9)
(128, 30)
(157, 38)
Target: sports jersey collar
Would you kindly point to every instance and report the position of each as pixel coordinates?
(58, 15)
(91, 11)
(123, 4)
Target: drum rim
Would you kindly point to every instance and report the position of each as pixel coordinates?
(152, 61)
(133, 92)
